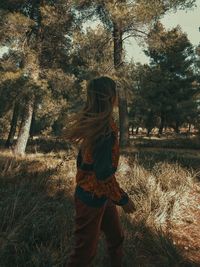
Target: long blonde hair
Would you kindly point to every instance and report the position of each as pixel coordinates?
(93, 120)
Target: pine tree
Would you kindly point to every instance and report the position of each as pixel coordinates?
(124, 19)
(167, 85)
(38, 30)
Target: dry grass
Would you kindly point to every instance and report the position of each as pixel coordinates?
(157, 192)
(180, 141)
(37, 210)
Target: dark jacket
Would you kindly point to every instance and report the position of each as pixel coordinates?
(95, 178)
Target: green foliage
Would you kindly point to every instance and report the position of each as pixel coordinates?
(38, 59)
(165, 89)
(91, 52)
(132, 16)
(51, 57)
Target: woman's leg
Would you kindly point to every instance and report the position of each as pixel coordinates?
(87, 231)
(112, 229)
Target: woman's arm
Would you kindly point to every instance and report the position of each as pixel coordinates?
(105, 169)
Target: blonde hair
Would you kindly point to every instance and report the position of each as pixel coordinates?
(93, 121)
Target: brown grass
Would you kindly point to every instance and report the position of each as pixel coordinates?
(37, 210)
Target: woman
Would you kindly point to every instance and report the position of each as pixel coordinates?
(97, 192)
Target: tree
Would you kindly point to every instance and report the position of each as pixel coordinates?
(127, 18)
(87, 58)
(31, 28)
(167, 85)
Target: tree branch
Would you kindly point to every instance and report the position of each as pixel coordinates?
(136, 30)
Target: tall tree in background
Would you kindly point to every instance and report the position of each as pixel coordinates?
(197, 84)
(87, 57)
(31, 27)
(28, 38)
(124, 19)
(11, 83)
(42, 29)
(173, 54)
(166, 87)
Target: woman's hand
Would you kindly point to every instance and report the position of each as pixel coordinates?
(129, 207)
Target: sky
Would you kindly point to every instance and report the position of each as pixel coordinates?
(188, 20)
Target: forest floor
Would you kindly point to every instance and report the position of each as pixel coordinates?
(37, 208)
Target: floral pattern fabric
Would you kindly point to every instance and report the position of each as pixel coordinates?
(109, 187)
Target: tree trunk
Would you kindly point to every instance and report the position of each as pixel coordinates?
(162, 123)
(148, 131)
(123, 119)
(32, 65)
(32, 127)
(20, 146)
(132, 129)
(189, 127)
(123, 110)
(13, 125)
(177, 127)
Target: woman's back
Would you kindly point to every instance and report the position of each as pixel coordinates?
(95, 178)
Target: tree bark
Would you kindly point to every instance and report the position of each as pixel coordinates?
(122, 98)
(20, 146)
(32, 127)
(13, 125)
(162, 123)
(149, 131)
(32, 65)
(189, 127)
(177, 127)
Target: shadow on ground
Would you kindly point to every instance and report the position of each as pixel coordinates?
(36, 216)
(37, 222)
(145, 247)
(43, 145)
